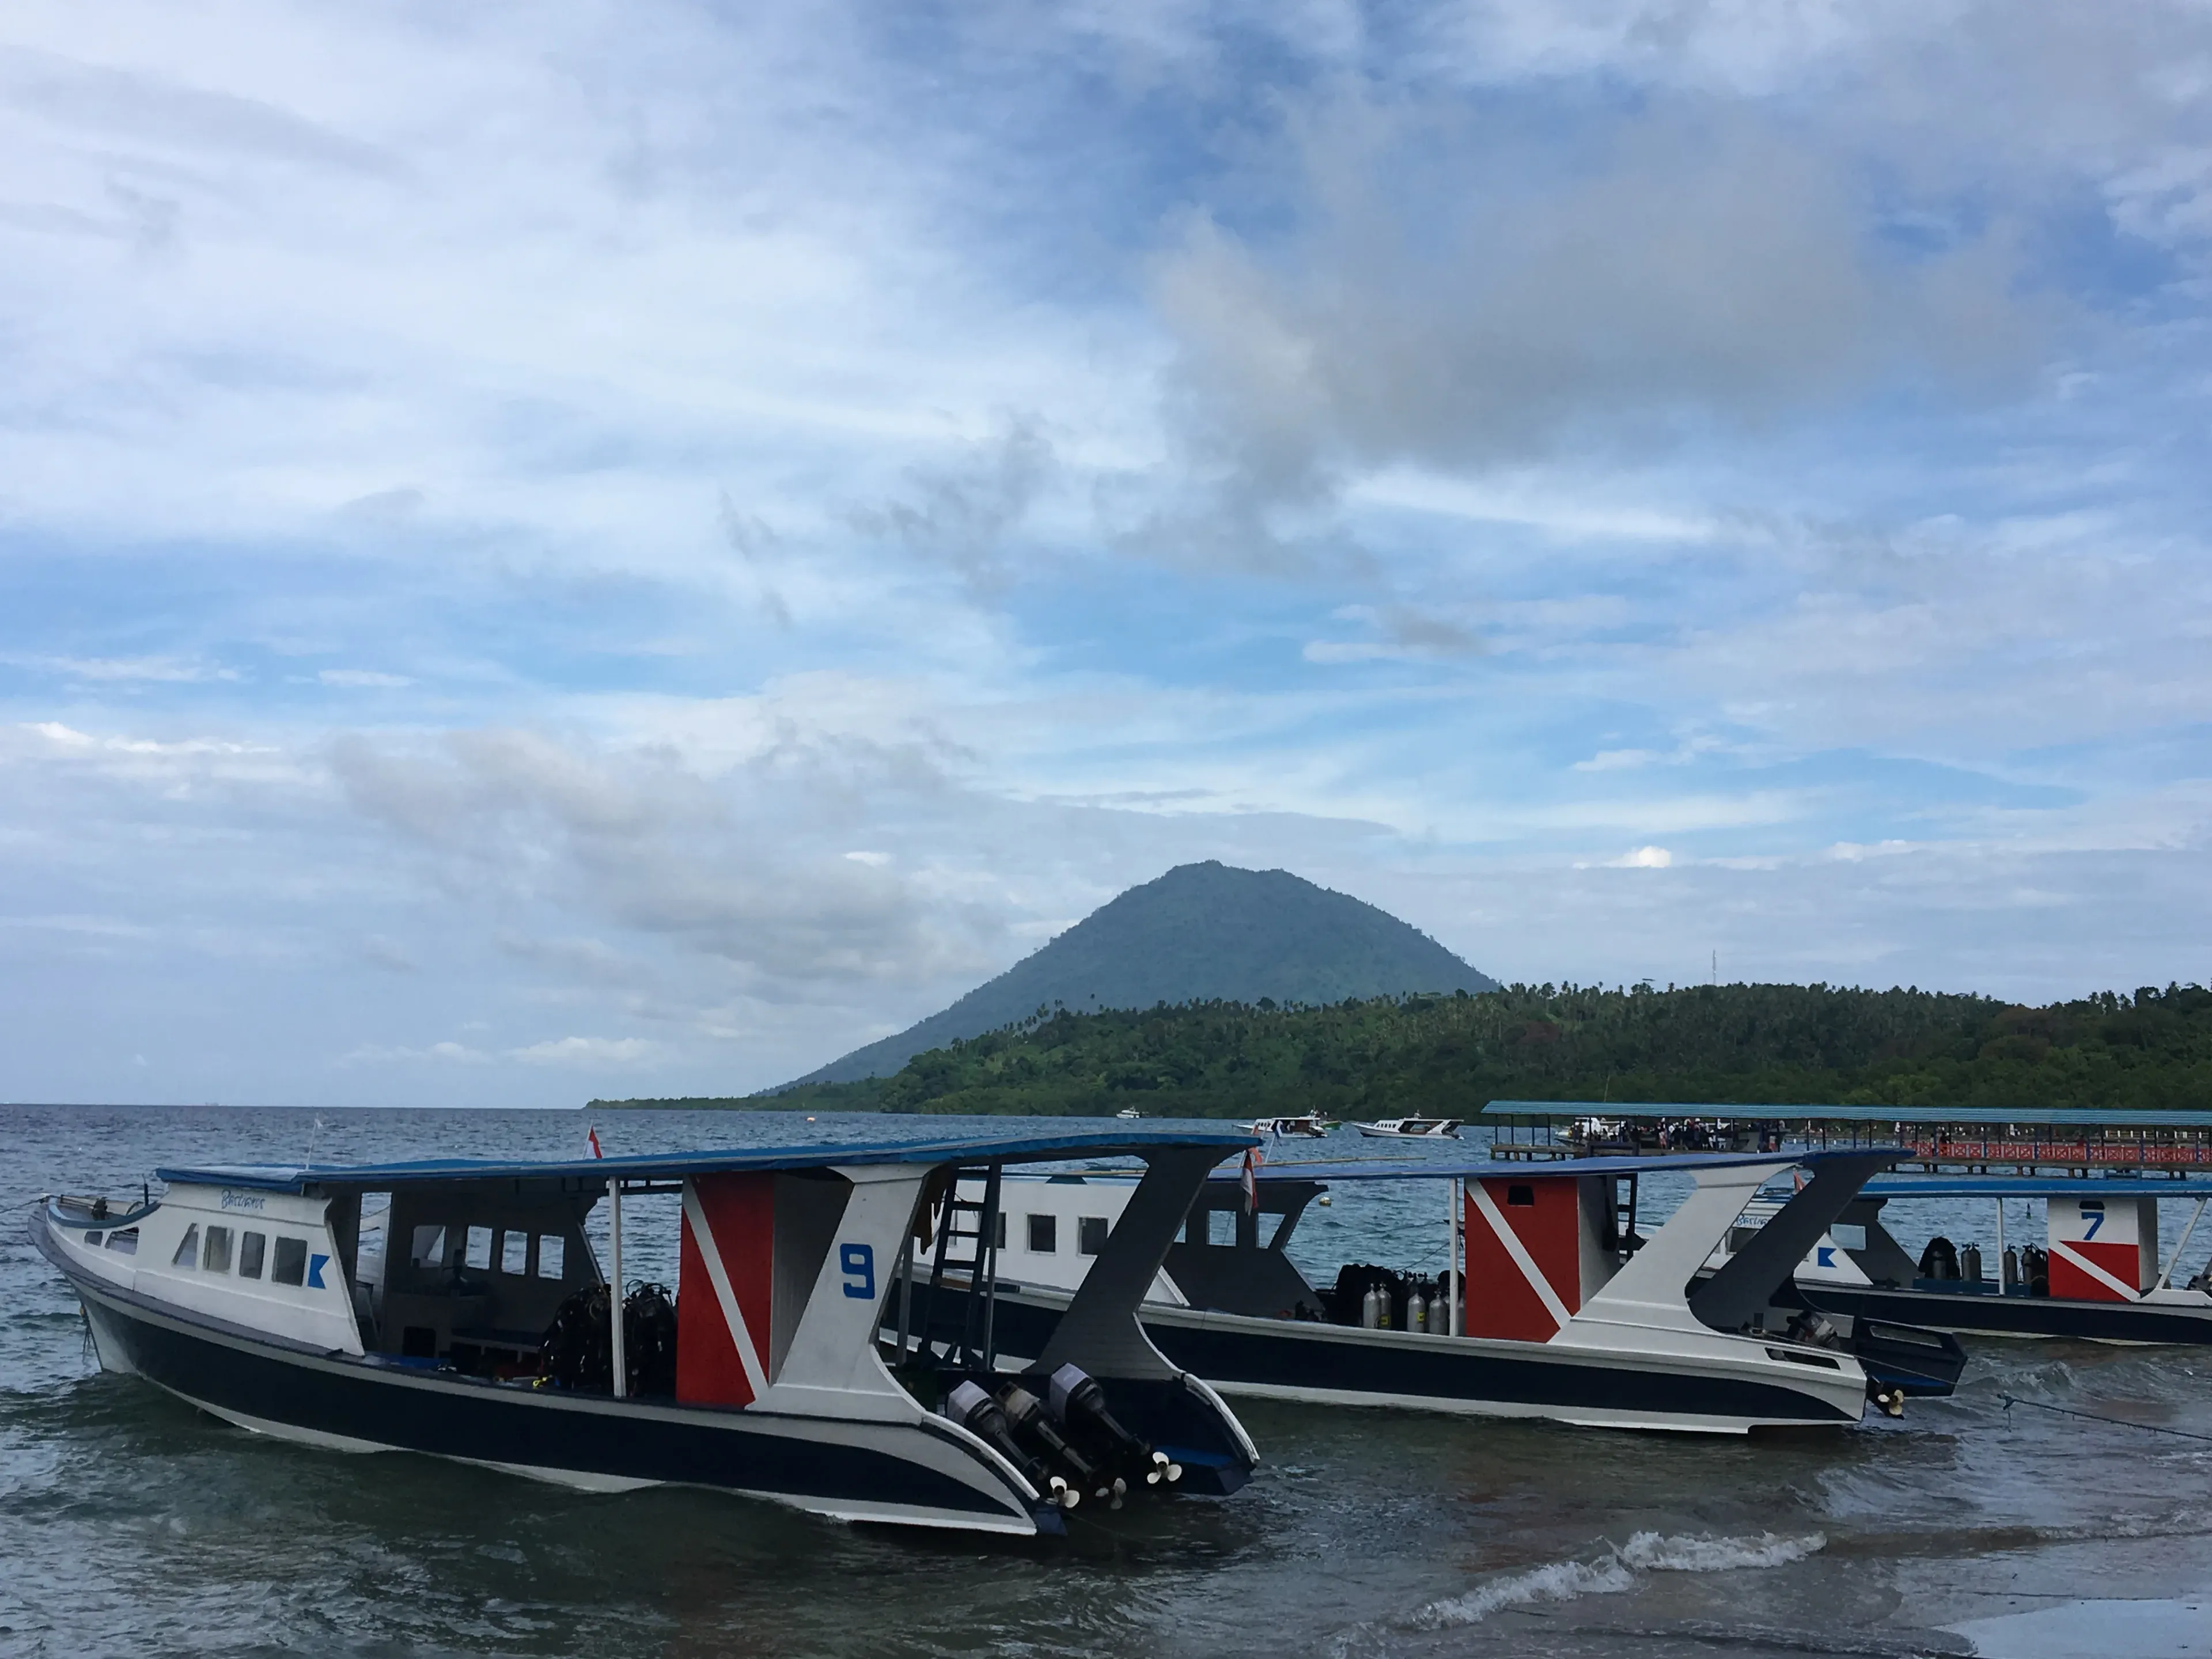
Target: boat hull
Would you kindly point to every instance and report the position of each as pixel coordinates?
(1587, 1386)
(1967, 1314)
(906, 1473)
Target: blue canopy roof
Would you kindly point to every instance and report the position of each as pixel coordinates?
(1095, 1142)
(1490, 1169)
(2042, 1186)
(2070, 1117)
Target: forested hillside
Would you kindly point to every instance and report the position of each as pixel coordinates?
(1200, 933)
(1780, 1043)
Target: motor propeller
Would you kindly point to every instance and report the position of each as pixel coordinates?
(1077, 1401)
(1032, 1422)
(981, 1416)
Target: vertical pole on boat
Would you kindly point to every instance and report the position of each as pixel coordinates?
(614, 1299)
(986, 1279)
(1451, 1237)
(2174, 1261)
(2000, 1278)
(906, 1293)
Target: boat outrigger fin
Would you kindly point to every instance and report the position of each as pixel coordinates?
(1742, 1289)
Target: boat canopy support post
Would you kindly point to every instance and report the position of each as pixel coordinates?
(1736, 1296)
(983, 1283)
(906, 1294)
(1100, 1331)
(1454, 1318)
(614, 1299)
(2181, 1244)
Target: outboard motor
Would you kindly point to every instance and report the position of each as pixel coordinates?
(1813, 1329)
(1032, 1423)
(977, 1412)
(1077, 1401)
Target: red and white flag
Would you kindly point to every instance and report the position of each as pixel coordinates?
(1250, 1180)
(591, 1139)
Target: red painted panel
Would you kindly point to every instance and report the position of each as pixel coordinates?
(740, 1212)
(2122, 1261)
(1500, 1301)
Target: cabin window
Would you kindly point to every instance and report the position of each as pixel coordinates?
(92, 1239)
(1091, 1235)
(1221, 1226)
(479, 1253)
(290, 1264)
(1521, 1195)
(1044, 1234)
(214, 1258)
(998, 1234)
(429, 1247)
(551, 1248)
(126, 1241)
(251, 1249)
(514, 1254)
(1851, 1236)
(188, 1249)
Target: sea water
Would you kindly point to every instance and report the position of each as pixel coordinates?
(131, 1522)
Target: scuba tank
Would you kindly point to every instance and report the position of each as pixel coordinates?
(1417, 1310)
(1970, 1264)
(1370, 1308)
(2010, 1268)
(977, 1412)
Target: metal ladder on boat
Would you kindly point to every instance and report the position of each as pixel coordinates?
(965, 1326)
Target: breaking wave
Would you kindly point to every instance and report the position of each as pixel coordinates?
(1617, 1570)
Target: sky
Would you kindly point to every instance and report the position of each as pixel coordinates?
(566, 550)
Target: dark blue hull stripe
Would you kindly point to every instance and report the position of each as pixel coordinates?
(489, 1423)
(2018, 1316)
(1303, 1357)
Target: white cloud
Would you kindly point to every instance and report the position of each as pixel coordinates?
(363, 677)
(1643, 858)
(585, 1053)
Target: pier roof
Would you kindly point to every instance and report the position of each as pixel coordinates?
(2070, 1117)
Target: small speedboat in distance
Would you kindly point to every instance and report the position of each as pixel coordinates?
(1412, 1128)
(1312, 1125)
(483, 1328)
(1557, 1306)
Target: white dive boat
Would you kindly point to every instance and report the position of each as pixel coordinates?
(1566, 1314)
(481, 1329)
(1412, 1128)
(2096, 1275)
(1312, 1126)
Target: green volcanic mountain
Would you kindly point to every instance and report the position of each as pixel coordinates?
(1202, 932)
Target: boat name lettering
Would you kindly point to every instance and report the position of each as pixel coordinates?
(232, 1200)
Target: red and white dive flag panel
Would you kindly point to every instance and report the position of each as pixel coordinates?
(1528, 1237)
(727, 1292)
(2103, 1250)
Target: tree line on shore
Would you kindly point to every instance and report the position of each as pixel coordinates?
(1393, 1056)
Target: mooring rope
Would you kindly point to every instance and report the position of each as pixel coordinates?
(2011, 1401)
